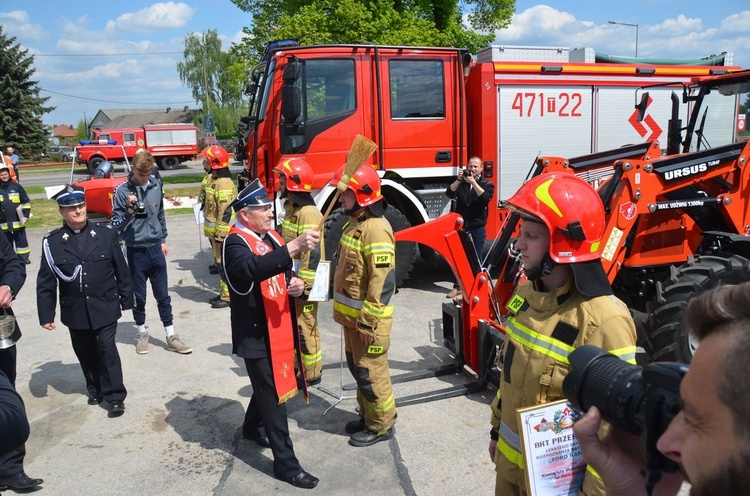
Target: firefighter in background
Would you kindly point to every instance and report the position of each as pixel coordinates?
(14, 211)
(364, 288)
(565, 302)
(301, 215)
(217, 216)
(202, 200)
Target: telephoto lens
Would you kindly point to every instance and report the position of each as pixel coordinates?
(600, 379)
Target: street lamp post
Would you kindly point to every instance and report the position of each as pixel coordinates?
(636, 33)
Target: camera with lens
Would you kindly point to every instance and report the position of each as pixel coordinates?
(465, 172)
(640, 400)
(139, 209)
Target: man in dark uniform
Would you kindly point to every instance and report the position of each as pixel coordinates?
(14, 426)
(95, 285)
(12, 277)
(258, 269)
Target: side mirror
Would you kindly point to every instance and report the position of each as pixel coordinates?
(641, 106)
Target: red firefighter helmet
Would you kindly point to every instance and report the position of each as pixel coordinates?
(217, 156)
(571, 210)
(365, 184)
(298, 173)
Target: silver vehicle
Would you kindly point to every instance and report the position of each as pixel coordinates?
(64, 153)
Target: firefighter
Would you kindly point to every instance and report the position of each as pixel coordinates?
(217, 216)
(15, 209)
(205, 182)
(565, 302)
(364, 287)
(301, 215)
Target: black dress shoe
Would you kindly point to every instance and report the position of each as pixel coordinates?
(116, 408)
(303, 480)
(23, 481)
(94, 399)
(212, 269)
(215, 298)
(220, 304)
(258, 438)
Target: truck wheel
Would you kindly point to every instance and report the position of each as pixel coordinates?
(406, 253)
(169, 163)
(666, 337)
(93, 164)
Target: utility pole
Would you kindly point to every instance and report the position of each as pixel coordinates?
(636, 33)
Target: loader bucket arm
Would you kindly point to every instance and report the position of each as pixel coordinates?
(443, 236)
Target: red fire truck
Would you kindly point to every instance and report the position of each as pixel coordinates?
(430, 109)
(170, 144)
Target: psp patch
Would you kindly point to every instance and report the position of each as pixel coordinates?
(309, 307)
(383, 260)
(374, 350)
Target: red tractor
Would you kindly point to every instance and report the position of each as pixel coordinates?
(677, 224)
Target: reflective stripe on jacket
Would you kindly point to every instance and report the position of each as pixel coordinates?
(365, 278)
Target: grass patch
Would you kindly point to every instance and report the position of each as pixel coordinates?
(46, 214)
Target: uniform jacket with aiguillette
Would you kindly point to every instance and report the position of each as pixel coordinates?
(98, 285)
(544, 327)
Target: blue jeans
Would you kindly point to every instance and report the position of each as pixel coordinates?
(149, 263)
(478, 236)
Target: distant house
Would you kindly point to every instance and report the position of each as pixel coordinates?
(128, 118)
(64, 134)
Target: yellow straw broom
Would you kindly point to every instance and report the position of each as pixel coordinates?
(361, 149)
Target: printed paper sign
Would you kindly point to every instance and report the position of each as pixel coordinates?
(554, 465)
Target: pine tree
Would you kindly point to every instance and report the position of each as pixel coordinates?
(21, 107)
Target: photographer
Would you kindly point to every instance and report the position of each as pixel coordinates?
(710, 438)
(472, 194)
(565, 303)
(138, 214)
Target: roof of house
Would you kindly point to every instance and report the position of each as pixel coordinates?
(64, 131)
(153, 117)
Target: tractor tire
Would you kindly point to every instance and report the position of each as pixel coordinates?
(169, 163)
(406, 253)
(666, 336)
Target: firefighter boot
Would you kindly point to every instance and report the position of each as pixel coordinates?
(366, 437)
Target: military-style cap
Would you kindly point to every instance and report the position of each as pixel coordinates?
(253, 195)
(70, 196)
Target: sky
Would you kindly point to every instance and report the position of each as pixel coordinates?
(90, 55)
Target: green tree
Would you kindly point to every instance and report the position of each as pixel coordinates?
(210, 72)
(22, 108)
(392, 22)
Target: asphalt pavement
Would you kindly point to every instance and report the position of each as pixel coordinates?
(181, 431)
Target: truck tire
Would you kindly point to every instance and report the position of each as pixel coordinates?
(93, 164)
(406, 252)
(666, 337)
(169, 163)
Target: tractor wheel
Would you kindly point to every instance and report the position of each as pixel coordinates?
(666, 336)
(406, 253)
(169, 163)
(93, 164)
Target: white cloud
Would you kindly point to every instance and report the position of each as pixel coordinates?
(538, 19)
(158, 17)
(17, 23)
(736, 23)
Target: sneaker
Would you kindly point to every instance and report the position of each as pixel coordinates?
(367, 437)
(175, 344)
(141, 343)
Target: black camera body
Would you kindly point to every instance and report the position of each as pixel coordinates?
(640, 400)
(139, 209)
(465, 172)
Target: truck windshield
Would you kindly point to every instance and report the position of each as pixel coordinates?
(722, 115)
(264, 86)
